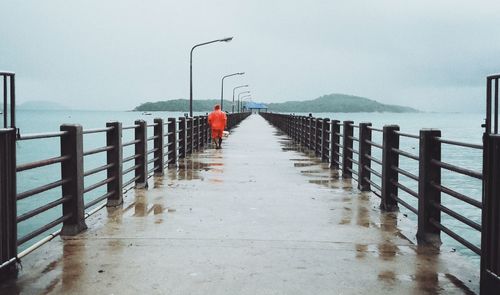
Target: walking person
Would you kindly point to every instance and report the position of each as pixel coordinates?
(217, 121)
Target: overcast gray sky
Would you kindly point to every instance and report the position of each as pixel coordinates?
(432, 55)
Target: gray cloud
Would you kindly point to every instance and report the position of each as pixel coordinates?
(117, 54)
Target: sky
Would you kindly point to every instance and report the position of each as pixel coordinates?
(114, 55)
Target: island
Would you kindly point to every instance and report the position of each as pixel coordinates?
(331, 103)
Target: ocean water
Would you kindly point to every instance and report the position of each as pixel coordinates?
(456, 126)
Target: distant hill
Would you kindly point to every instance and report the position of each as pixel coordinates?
(182, 105)
(41, 105)
(332, 103)
(337, 103)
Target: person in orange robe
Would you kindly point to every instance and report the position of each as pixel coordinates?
(217, 121)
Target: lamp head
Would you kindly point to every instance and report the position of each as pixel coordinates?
(242, 73)
(226, 39)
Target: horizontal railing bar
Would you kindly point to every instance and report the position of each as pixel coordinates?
(353, 138)
(131, 142)
(42, 135)
(457, 169)
(458, 143)
(374, 172)
(457, 216)
(456, 237)
(42, 229)
(131, 181)
(407, 135)
(369, 157)
(376, 193)
(98, 150)
(353, 150)
(405, 188)
(98, 169)
(374, 144)
(153, 150)
(130, 127)
(41, 163)
(98, 184)
(130, 158)
(373, 183)
(352, 171)
(152, 137)
(41, 189)
(151, 125)
(99, 199)
(458, 195)
(405, 173)
(405, 154)
(42, 209)
(131, 169)
(374, 129)
(97, 130)
(152, 160)
(405, 204)
(352, 160)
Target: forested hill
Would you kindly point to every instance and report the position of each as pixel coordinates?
(332, 103)
(337, 103)
(182, 105)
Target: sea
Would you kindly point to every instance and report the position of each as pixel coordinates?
(465, 127)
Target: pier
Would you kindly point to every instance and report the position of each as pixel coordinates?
(259, 216)
(290, 205)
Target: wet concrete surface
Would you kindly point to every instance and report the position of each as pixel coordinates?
(260, 216)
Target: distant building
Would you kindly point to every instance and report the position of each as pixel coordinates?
(254, 107)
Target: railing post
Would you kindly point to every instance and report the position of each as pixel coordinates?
(317, 134)
(72, 169)
(389, 176)
(490, 237)
(195, 133)
(198, 133)
(114, 157)
(365, 149)
(334, 145)
(172, 141)
(201, 137)
(325, 141)
(309, 133)
(141, 150)
(347, 145)
(189, 136)
(182, 137)
(8, 205)
(159, 146)
(428, 195)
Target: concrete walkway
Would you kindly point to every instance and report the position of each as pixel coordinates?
(257, 217)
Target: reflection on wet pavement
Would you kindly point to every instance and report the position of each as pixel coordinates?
(250, 219)
(427, 275)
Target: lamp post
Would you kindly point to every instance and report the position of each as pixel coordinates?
(191, 70)
(245, 97)
(233, 94)
(239, 96)
(222, 88)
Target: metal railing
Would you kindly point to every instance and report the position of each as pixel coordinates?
(347, 150)
(80, 193)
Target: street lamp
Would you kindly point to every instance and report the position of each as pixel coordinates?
(240, 97)
(243, 98)
(233, 94)
(191, 70)
(222, 88)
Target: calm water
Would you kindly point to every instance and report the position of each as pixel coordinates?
(462, 127)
